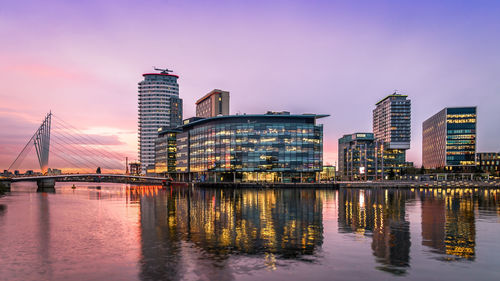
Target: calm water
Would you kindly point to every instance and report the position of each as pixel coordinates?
(121, 232)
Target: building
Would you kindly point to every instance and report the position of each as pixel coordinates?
(360, 157)
(449, 139)
(392, 121)
(392, 127)
(159, 105)
(135, 168)
(165, 151)
(246, 148)
(489, 162)
(213, 104)
(328, 173)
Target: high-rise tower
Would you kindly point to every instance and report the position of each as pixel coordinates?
(392, 121)
(159, 105)
(392, 129)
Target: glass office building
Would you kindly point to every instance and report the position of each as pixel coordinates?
(360, 157)
(166, 151)
(273, 147)
(449, 139)
(489, 162)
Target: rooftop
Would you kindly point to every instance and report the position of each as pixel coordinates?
(291, 116)
(213, 92)
(390, 96)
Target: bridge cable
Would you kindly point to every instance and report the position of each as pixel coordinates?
(69, 162)
(81, 161)
(94, 151)
(82, 152)
(86, 136)
(87, 147)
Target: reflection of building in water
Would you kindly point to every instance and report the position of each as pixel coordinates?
(282, 222)
(448, 222)
(381, 213)
(460, 227)
(433, 221)
(161, 253)
(271, 223)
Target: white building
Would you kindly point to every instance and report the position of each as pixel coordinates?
(159, 105)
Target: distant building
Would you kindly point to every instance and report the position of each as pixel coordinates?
(392, 127)
(215, 103)
(489, 162)
(328, 173)
(360, 157)
(449, 139)
(159, 105)
(166, 149)
(135, 168)
(246, 148)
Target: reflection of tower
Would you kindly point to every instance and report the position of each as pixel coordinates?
(160, 244)
(391, 239)
(433, 222)
(460, 227)
(382, 212)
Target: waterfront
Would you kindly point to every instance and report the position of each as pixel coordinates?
(122, 232)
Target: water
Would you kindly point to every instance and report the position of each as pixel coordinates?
(121, 232)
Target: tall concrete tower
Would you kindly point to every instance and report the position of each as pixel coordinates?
(159, 105)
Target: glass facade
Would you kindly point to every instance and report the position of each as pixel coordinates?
(489, 162)
(360, 157)
(449, 138)
(461, 136)
(165, 151)
(259, 148)
(245, 148)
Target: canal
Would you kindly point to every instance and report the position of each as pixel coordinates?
(122, 232)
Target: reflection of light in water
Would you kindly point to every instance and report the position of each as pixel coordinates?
(270, 261)
(362, 199)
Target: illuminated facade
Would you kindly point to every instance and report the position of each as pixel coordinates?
(166, 150)
(213, 104)
(328, 173)
(392, 128)
(489, 162)
(449, 139)
(360, 157)
(159, 105)
(274, 147)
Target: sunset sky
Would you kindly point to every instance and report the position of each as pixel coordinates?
(83, 60)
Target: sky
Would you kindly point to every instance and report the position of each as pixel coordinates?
(82, 60)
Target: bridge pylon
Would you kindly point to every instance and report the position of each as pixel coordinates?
(41, 141)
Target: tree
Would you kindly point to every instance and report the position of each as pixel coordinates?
(98, 171)
(422, 170)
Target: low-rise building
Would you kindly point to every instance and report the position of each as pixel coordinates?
(488, 162)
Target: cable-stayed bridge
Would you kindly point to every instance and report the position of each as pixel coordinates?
(76, 149)
(83, 154)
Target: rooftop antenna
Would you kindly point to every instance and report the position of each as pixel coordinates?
(163, 71)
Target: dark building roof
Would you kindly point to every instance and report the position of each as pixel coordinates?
(253, 117)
